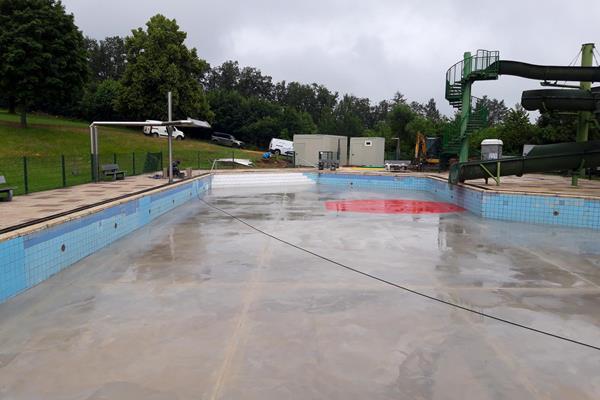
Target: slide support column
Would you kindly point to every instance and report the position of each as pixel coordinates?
(466, 108)
(583, 119)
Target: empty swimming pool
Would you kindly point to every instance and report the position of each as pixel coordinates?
(197, 305)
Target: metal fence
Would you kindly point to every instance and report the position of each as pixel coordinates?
(36, 173)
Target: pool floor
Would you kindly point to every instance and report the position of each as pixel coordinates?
(199, 306)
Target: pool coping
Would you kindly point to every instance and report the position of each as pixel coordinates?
(45, 223)
(51, 221)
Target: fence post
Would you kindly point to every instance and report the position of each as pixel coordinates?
(161, 162)
(198, 160)
(133, 162)
(25, 177)
(64, 171)
(233, 159)
(114, 158)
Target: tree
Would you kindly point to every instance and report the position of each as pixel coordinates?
(159, 62)
(224, 77)
(98, 103)
(399, 118)
(252, 83)
(352, 115)
(398, 99)
(431, 111)
(314, 99)
(230, 110)
(497, 110)
(297, 122)
(107, 58)
(42, 52)
(516, 130)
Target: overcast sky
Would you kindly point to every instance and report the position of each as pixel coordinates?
(367, 48)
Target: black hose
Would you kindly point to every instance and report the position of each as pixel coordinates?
(448, 303)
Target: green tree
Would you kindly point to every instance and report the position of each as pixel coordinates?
(260, 132)
(399, 119)
(106, 59)
(297, 122)
(229, 108)
(497, 110)
(159, 62)
(352, 115)
(98, 103)
(43, 55)
(252, 83)
(516, 130)
(224, 77)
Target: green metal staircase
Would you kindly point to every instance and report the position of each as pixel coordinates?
(459, 78)
(476, 120)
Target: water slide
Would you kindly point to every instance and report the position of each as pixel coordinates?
(542, 158)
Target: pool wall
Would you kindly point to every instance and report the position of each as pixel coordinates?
(568, 211)
(30, 258)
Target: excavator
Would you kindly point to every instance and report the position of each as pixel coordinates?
(427, 151)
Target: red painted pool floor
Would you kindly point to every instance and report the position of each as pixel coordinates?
(393, 206)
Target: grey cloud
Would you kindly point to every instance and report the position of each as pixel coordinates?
(371, 49)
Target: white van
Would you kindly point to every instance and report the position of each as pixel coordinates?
(280, 146)
(161, 131)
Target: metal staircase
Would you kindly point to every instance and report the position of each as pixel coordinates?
(483, 66)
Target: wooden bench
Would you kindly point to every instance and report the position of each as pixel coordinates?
(6, 189)
(112, 171)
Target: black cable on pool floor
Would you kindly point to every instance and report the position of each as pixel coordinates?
(448, 303)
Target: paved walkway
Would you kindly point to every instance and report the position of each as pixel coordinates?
(531, 183)
(43, 204)
(538, 183)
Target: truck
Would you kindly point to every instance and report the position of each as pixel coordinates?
(161, 131)
(281, 146)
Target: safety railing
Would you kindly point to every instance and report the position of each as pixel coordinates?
(483, 65)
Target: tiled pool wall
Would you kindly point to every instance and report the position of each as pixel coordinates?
(28, 260)
(539, 209)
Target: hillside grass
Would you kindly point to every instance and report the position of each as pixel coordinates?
(50, 136)
(47, 139)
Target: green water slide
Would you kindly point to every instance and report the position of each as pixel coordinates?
(541, 158)
(486, 65)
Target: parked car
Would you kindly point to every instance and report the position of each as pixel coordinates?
(281, 146)
(226, 139)
(161, 131)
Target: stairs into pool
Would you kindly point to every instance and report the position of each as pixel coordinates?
(260, 179)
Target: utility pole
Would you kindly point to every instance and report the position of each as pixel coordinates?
(583, 118)
(170, 136)
(465, 111)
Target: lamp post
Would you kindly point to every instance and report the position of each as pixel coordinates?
(170, 136)
(397, 148)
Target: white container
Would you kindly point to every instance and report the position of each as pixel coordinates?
(491, 149)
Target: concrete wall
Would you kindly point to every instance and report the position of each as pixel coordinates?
(307, 148)
(362, 154)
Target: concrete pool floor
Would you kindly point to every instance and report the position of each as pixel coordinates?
(198, 306)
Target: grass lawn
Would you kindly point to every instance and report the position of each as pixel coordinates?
(48, 138)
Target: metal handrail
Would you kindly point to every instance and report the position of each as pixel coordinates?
(483, 61)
